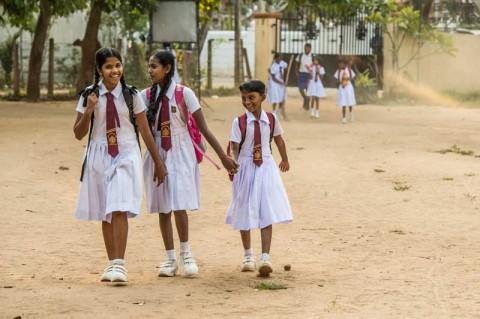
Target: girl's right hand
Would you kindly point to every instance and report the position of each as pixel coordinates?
(92, 100)
(160, 173)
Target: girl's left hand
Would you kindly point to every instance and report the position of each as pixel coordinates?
(230, 164)
(284, 166)
(160, 173)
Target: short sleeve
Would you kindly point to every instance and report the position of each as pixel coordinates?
(191, 100)
(235, 135)
(80, 107)
(138, 104)
(337, 75)
(143, 96)
(277, 130)
(353, 73)
(284, 64)
(298, 58)
(322, 70)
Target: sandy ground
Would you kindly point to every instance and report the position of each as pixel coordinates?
(358, 248)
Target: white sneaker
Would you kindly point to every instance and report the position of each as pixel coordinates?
(312, 112)
(317, 114)
(344, 120)
(351, 117)
(190, 267)
(168, 268)
(265, 268)
(119, 275)
(248, 263)
(107, 273)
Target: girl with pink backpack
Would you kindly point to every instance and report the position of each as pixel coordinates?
(177, 123)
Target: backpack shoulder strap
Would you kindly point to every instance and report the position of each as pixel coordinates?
(242, 124)
(179, 98)
(271, 119)
(128, 93)
(148, 93)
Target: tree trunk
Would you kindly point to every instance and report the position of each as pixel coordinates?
(238, 54)
(36, 53)
(89, 45)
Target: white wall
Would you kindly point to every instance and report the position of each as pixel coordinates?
(223, 52)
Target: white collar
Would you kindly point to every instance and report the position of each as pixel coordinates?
(263, 117)
(103, 89)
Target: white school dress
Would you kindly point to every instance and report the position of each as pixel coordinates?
(181, 188)
(276, 92)
(315, 88)
(345, 95)
(258, 198)
(111, 184)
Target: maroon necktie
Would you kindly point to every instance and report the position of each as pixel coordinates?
(257, 144)
(112, 122)
(164, 125)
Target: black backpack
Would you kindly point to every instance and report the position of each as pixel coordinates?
(128, 93)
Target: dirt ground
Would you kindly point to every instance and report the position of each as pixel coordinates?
(384, 226)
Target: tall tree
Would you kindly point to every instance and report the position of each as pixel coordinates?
(124, 9)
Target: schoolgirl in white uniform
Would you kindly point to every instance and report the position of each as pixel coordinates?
(315, 88)
(110, 189)
(259, 199)
(346, 92)
(276, 92)
(181, 190)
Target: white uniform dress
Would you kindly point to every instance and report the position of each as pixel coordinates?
(276, 92)
(345, 95)
(258, 198)
(109, 183)
(315, 87)
(181, 188)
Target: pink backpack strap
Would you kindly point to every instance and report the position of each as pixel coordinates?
(148, 93)
(181, 102)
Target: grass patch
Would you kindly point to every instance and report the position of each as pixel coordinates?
(456, 150)
(270, 286)
(400, 186)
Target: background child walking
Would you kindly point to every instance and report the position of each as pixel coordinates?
(110, 189)
(315, 88)
(259, 199)
(181, 190)
(277, 93)
(346, 93)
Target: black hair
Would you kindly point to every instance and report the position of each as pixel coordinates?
(253, 86)
(276, 55)
(165, 58)
(308, 44)
(316, 57)
(101, 57)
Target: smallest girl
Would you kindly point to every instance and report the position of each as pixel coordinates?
(315, 88)
(277, 93)
(346, 93)
(259, 199)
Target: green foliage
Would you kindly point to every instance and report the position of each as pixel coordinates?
(401, 22)
(69, 67)
(135, 66)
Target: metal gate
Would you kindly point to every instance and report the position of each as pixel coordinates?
(331, 36)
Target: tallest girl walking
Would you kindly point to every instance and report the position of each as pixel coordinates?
(110, 189)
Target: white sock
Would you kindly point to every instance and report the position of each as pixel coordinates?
(248, 252)
(184, 248)
(171, 254)
(118, 262)
(264, 257)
